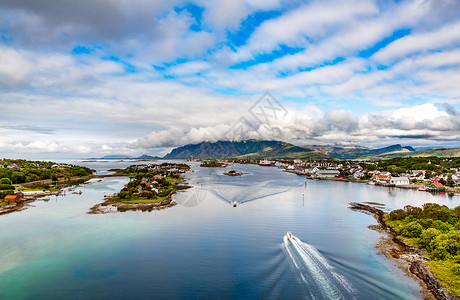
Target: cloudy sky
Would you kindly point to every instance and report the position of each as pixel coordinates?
(95, 77)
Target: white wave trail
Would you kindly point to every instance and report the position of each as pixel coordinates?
(315, 271)
(345, 283)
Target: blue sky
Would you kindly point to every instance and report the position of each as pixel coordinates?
(96, 77)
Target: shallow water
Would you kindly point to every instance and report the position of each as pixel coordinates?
(204, 247)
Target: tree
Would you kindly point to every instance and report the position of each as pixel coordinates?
(412, 230)
(392, 169)
(5, 181)
(427, 237)
(370, 167)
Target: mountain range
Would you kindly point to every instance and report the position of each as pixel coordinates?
(259, 149)
(276, 149)
(144, 156)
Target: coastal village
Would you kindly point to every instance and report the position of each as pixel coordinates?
(379, 174)
(426, 174)
(22, 181)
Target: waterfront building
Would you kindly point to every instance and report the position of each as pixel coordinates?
(399, 181)
(327, 173)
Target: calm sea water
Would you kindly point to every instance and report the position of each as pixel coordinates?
(204, 247)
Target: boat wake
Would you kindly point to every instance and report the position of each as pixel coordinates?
(238, 199)
(320, 278)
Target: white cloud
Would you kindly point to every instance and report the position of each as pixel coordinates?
(14, 68)
(225, 13)
(335, 126)
(104, 100)
(310, 21)
(446, 36)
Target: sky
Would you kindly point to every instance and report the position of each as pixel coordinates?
(90, 78)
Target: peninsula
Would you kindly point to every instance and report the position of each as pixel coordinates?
(151, 187)
(425, 241)
(23, 181)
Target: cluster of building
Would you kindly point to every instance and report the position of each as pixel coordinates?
(16, 197)
(37, 165)
(153, 168)
(353, 170)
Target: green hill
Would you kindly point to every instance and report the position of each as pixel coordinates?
(451, 152)
(244, 149)
(257, 149)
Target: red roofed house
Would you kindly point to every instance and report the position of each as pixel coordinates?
(381, 178)
(13, 198)
(436, 186)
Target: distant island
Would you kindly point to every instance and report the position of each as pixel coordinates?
(144, 156)
(212, 164)
(233, 173)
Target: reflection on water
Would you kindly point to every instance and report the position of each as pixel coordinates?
(55, 250)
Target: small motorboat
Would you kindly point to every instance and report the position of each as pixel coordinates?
(422, 189)
(234, 203)
(289, 235)
(78, 193)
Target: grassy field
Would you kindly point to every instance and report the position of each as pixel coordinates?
(444, 271)
(138, 201)
(171, 179)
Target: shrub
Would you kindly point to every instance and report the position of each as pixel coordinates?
(412, 230)
(5, 181)
(440, 249)
(414, 211)
(440, 225)
(6, 187)
(456, 269)
(452, 219)
(398, 214)
(427, 237)
(5, 192)
(426, 223)
(446, 246)
(123, 195)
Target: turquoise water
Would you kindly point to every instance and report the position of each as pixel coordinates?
(206, 248)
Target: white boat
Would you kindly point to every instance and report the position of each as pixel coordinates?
(234, 203)
(422, 189)
(289, 235)
(265, 163)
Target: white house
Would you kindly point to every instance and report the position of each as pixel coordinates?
(399, 181)
(328, 173)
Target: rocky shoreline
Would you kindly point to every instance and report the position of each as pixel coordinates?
(412, 256)
(31, 196)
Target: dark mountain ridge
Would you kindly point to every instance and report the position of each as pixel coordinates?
(275, 149)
